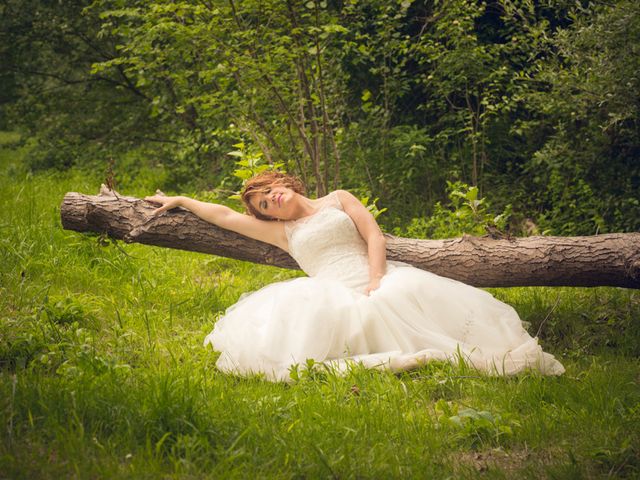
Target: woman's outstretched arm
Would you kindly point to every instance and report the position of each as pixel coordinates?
(224, 217)
(371, 233)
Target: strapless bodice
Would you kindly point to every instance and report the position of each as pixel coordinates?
(327, 244)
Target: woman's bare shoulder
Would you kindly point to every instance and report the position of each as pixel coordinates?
(336, 198)
(344, 197)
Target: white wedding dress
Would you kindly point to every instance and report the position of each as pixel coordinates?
(415, 316)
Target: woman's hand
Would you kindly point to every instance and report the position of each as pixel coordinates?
(167, 203)
(374, 284)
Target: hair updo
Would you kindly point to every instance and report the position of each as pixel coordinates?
(263, 181)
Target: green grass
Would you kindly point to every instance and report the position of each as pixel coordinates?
(103, 373)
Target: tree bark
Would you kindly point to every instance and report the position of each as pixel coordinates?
(611, 259)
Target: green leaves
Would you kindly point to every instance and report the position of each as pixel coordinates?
(250, 163)
(536, 104)
(372, 206)
(464, 214)
(477, 428)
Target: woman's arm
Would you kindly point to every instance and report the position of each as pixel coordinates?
(266, 231)
(371, 233)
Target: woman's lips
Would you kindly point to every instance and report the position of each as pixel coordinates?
(279, 198)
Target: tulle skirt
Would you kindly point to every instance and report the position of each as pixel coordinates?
(414, 317)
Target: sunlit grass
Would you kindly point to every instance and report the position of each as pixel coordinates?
(103, 373)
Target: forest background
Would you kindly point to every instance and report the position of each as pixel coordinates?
(452, 115)
(535, 103)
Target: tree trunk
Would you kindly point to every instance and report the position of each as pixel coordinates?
(612, 259)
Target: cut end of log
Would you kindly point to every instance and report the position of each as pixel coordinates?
(73, 214)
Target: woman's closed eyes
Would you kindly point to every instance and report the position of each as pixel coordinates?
(263, 204)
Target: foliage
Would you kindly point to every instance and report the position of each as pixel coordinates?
(586, 175)
(216, 68)
(532, 102)
(465, 214)
(477, 429)
(76, 118)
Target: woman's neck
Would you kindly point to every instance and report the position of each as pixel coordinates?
(305, 207)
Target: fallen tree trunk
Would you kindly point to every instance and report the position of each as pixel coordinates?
(611, 259)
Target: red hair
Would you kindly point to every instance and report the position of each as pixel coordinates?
(263, 181)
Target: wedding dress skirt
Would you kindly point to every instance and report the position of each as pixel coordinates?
(415, 316)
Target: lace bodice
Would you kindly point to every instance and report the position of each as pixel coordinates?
(327, 244)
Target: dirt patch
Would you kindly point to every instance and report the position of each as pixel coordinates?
(510, 461)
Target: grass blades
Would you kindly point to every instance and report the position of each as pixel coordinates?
(103, 373)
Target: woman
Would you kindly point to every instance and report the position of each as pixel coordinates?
(354, 306)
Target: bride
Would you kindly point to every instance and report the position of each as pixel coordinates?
(354, 306)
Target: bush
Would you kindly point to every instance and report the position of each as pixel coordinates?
(465, 214)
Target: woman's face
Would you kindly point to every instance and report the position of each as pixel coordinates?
(276, 202)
